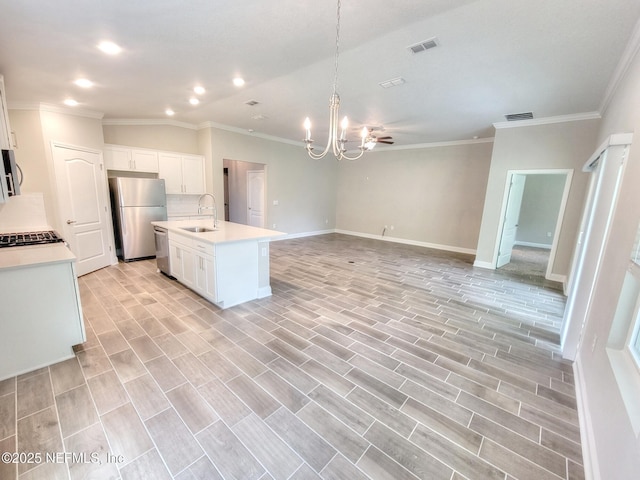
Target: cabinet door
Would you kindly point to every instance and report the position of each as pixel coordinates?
(175, 257)
(144, 161)
(116, 158)
(5, 129)
(206, 276)
(170, 168)
(193, 174)
(188, 268)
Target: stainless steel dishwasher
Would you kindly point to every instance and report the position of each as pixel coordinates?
(162, 250)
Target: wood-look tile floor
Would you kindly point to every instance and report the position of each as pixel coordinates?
(370, 360)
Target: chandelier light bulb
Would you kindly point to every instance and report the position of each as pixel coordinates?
(336, 144)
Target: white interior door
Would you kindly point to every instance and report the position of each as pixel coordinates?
(255, 198)
(82, 194)
(512, 213)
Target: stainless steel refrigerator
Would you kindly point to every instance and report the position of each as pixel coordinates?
(135, 203)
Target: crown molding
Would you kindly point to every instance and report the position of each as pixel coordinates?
(574, 117)
(452, 143)
(148, 121)
(46, 107)
(630, 52)
(250, 133)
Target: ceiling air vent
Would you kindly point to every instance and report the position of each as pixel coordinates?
(251, 103)
(424, 45)
(512, 117)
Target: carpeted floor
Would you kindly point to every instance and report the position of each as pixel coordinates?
(530, 263)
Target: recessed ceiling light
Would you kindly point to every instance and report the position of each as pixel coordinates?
(169, 112)
(238, 82)
(84, 83)
(199, 90)
(70, 102)
(109, 48)
(194, 101)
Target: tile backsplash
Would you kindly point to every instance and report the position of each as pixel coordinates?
(24, 212)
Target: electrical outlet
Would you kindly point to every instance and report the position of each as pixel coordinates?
(549, 234)
(274, 226)
(392, 227)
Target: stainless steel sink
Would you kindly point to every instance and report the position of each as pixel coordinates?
(198, 229)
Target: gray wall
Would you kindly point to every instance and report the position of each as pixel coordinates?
(431, 196)
(540, 208)
(551, 146)
(613, 443)
(238, 208)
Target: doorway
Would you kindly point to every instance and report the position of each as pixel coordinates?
(533, 209)
(245, 192)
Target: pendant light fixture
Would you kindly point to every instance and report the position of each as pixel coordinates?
(335, 143)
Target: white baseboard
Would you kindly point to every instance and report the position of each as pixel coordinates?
(587, 437)
(546, 246)
(264, 292)
(404, 241)
(487, 265)
(301, 235)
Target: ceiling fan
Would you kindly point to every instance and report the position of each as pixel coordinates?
(371, 140)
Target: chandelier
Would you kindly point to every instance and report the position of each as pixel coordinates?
(337, 143)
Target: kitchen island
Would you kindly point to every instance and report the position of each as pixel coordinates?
(41, 316)
(227, 266)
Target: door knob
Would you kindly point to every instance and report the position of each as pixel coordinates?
(69, 222)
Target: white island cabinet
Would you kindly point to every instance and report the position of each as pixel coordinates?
(41, 316)
(227, 266)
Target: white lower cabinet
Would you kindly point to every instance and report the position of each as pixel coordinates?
(205, 283)
(41, 316)
(193, 265)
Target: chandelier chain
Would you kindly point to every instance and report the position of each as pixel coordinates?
(335, 78)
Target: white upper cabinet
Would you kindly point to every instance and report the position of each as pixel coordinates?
(5, 129)
(130, 159)
(183, 174)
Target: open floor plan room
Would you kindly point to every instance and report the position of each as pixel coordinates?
(370, 360)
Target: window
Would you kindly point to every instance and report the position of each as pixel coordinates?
(634, 342)
(623, 345)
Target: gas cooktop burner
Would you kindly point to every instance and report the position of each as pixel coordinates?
(28, 238)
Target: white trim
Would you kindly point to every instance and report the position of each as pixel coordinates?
(250, 133)
(264, 292)
(301, 235)
(556, 238)
(556, 277)
(404, 241)
(630, 51)
(574, 117)
(587, 435)
(546, 246)
(45, 107)
(453, 143)
(611, 141)
(487, 265)
(147, 121)
(243, 131)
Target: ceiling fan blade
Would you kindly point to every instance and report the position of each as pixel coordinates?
(384, 138)
(384, 141)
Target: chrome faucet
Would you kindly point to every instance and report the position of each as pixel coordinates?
(214, 208)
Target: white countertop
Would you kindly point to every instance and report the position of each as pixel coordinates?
(27, 256)
(227, 231)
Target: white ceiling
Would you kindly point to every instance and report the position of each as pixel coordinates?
(551, 57)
